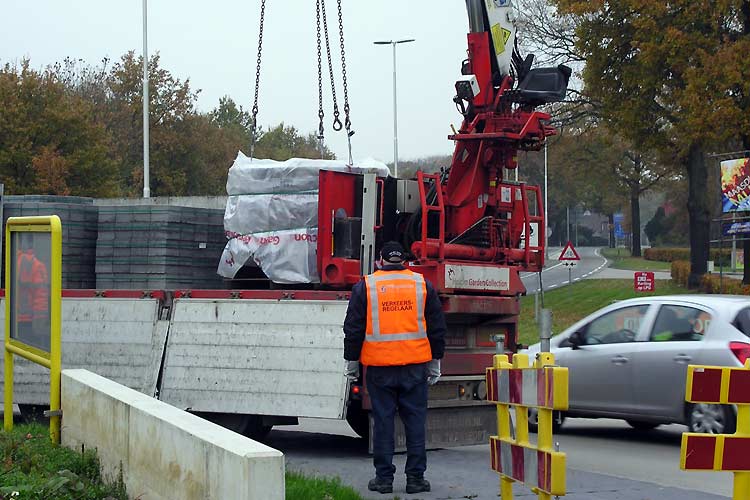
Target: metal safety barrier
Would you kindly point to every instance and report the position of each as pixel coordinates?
(541, 386)
(720, 452)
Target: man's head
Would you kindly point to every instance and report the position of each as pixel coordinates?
(392, 253)
(25, 241)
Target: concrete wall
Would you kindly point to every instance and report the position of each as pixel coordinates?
(177, 201)
(165, 453)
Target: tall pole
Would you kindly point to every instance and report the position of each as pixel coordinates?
(395, 116)
(567, 222)
(393, 43)
(546, 213)
(146, 187)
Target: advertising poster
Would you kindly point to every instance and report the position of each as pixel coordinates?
(735, 185)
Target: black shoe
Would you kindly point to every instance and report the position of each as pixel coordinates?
(382, 485)
(417, 485)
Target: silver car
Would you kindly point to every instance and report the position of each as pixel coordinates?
(629, 360)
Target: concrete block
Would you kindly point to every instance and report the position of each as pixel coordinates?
(163, 452)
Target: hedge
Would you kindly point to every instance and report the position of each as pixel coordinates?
(672, 254)
(710, 283)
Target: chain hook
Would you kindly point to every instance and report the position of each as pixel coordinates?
(253, 130)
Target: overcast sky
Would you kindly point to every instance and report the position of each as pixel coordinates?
(214, 43)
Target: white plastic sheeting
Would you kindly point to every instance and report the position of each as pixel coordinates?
(284, 256)
(271, 216)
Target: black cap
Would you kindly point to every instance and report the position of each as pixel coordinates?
(393, 252)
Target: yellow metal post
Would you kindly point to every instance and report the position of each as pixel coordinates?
(503, 428)
(8, 392)
(545, 416)
(741, 489)
(55, 327)
(8, 380)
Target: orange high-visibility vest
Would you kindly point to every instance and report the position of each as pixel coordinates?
(396, 332)
(33, 287)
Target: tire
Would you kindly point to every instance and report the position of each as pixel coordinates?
(711, 419)
(255, 429)
(558, 418)
(641, 425)
(359, 420)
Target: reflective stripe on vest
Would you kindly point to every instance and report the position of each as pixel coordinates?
(417, 283)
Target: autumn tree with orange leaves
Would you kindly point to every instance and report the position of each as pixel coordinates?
(673, 77)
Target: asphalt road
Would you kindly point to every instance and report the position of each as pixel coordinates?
(606, 461)
(556, 274)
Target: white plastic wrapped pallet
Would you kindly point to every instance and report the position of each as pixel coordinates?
(272, 215)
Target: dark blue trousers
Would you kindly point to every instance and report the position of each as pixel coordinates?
(402, 389)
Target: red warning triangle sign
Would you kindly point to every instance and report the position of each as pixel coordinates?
(569, 253)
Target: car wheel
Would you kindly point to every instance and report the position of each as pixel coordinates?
(711, 419)
(557, 420)
(640, 425)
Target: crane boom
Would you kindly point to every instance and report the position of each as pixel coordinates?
(496, 17)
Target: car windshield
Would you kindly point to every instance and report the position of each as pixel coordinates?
(742, 321)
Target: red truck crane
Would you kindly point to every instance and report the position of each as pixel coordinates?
(470, 228)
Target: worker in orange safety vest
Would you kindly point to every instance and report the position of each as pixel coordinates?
(395, 327)
(32, 301)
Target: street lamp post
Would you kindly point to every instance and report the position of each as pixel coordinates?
(146, 187)
(395, 106)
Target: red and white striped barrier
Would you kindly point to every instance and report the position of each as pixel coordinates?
(525, 464)
(520, 386)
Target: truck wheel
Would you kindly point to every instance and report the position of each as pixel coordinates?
(359, 420)
(255, 429)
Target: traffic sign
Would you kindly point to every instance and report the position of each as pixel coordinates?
(643, 281)
(569, 253)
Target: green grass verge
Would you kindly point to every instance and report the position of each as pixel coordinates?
(621, 259)
(573, 302)
(301, 487)
(38, 470)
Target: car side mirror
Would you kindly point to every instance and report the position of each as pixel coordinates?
(576, 340)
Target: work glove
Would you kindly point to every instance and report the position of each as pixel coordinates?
(352, 370)
(433, 371)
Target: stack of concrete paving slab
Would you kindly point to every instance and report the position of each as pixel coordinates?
(159, 247)
(79, 231)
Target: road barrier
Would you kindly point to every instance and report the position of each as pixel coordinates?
(720, 452)
(543, 387)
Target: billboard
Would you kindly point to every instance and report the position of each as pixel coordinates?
(735, 185)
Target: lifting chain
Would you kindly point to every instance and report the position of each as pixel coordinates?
(336, 120)
(321, 114)
(347, 120)
(337, 125)
(257, 79)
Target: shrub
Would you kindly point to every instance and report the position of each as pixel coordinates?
(672, 254)
(712, 283)
(680, 272)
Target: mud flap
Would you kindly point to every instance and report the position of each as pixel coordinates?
(449, 427)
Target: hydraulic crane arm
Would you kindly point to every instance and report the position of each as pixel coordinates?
(497, 18)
